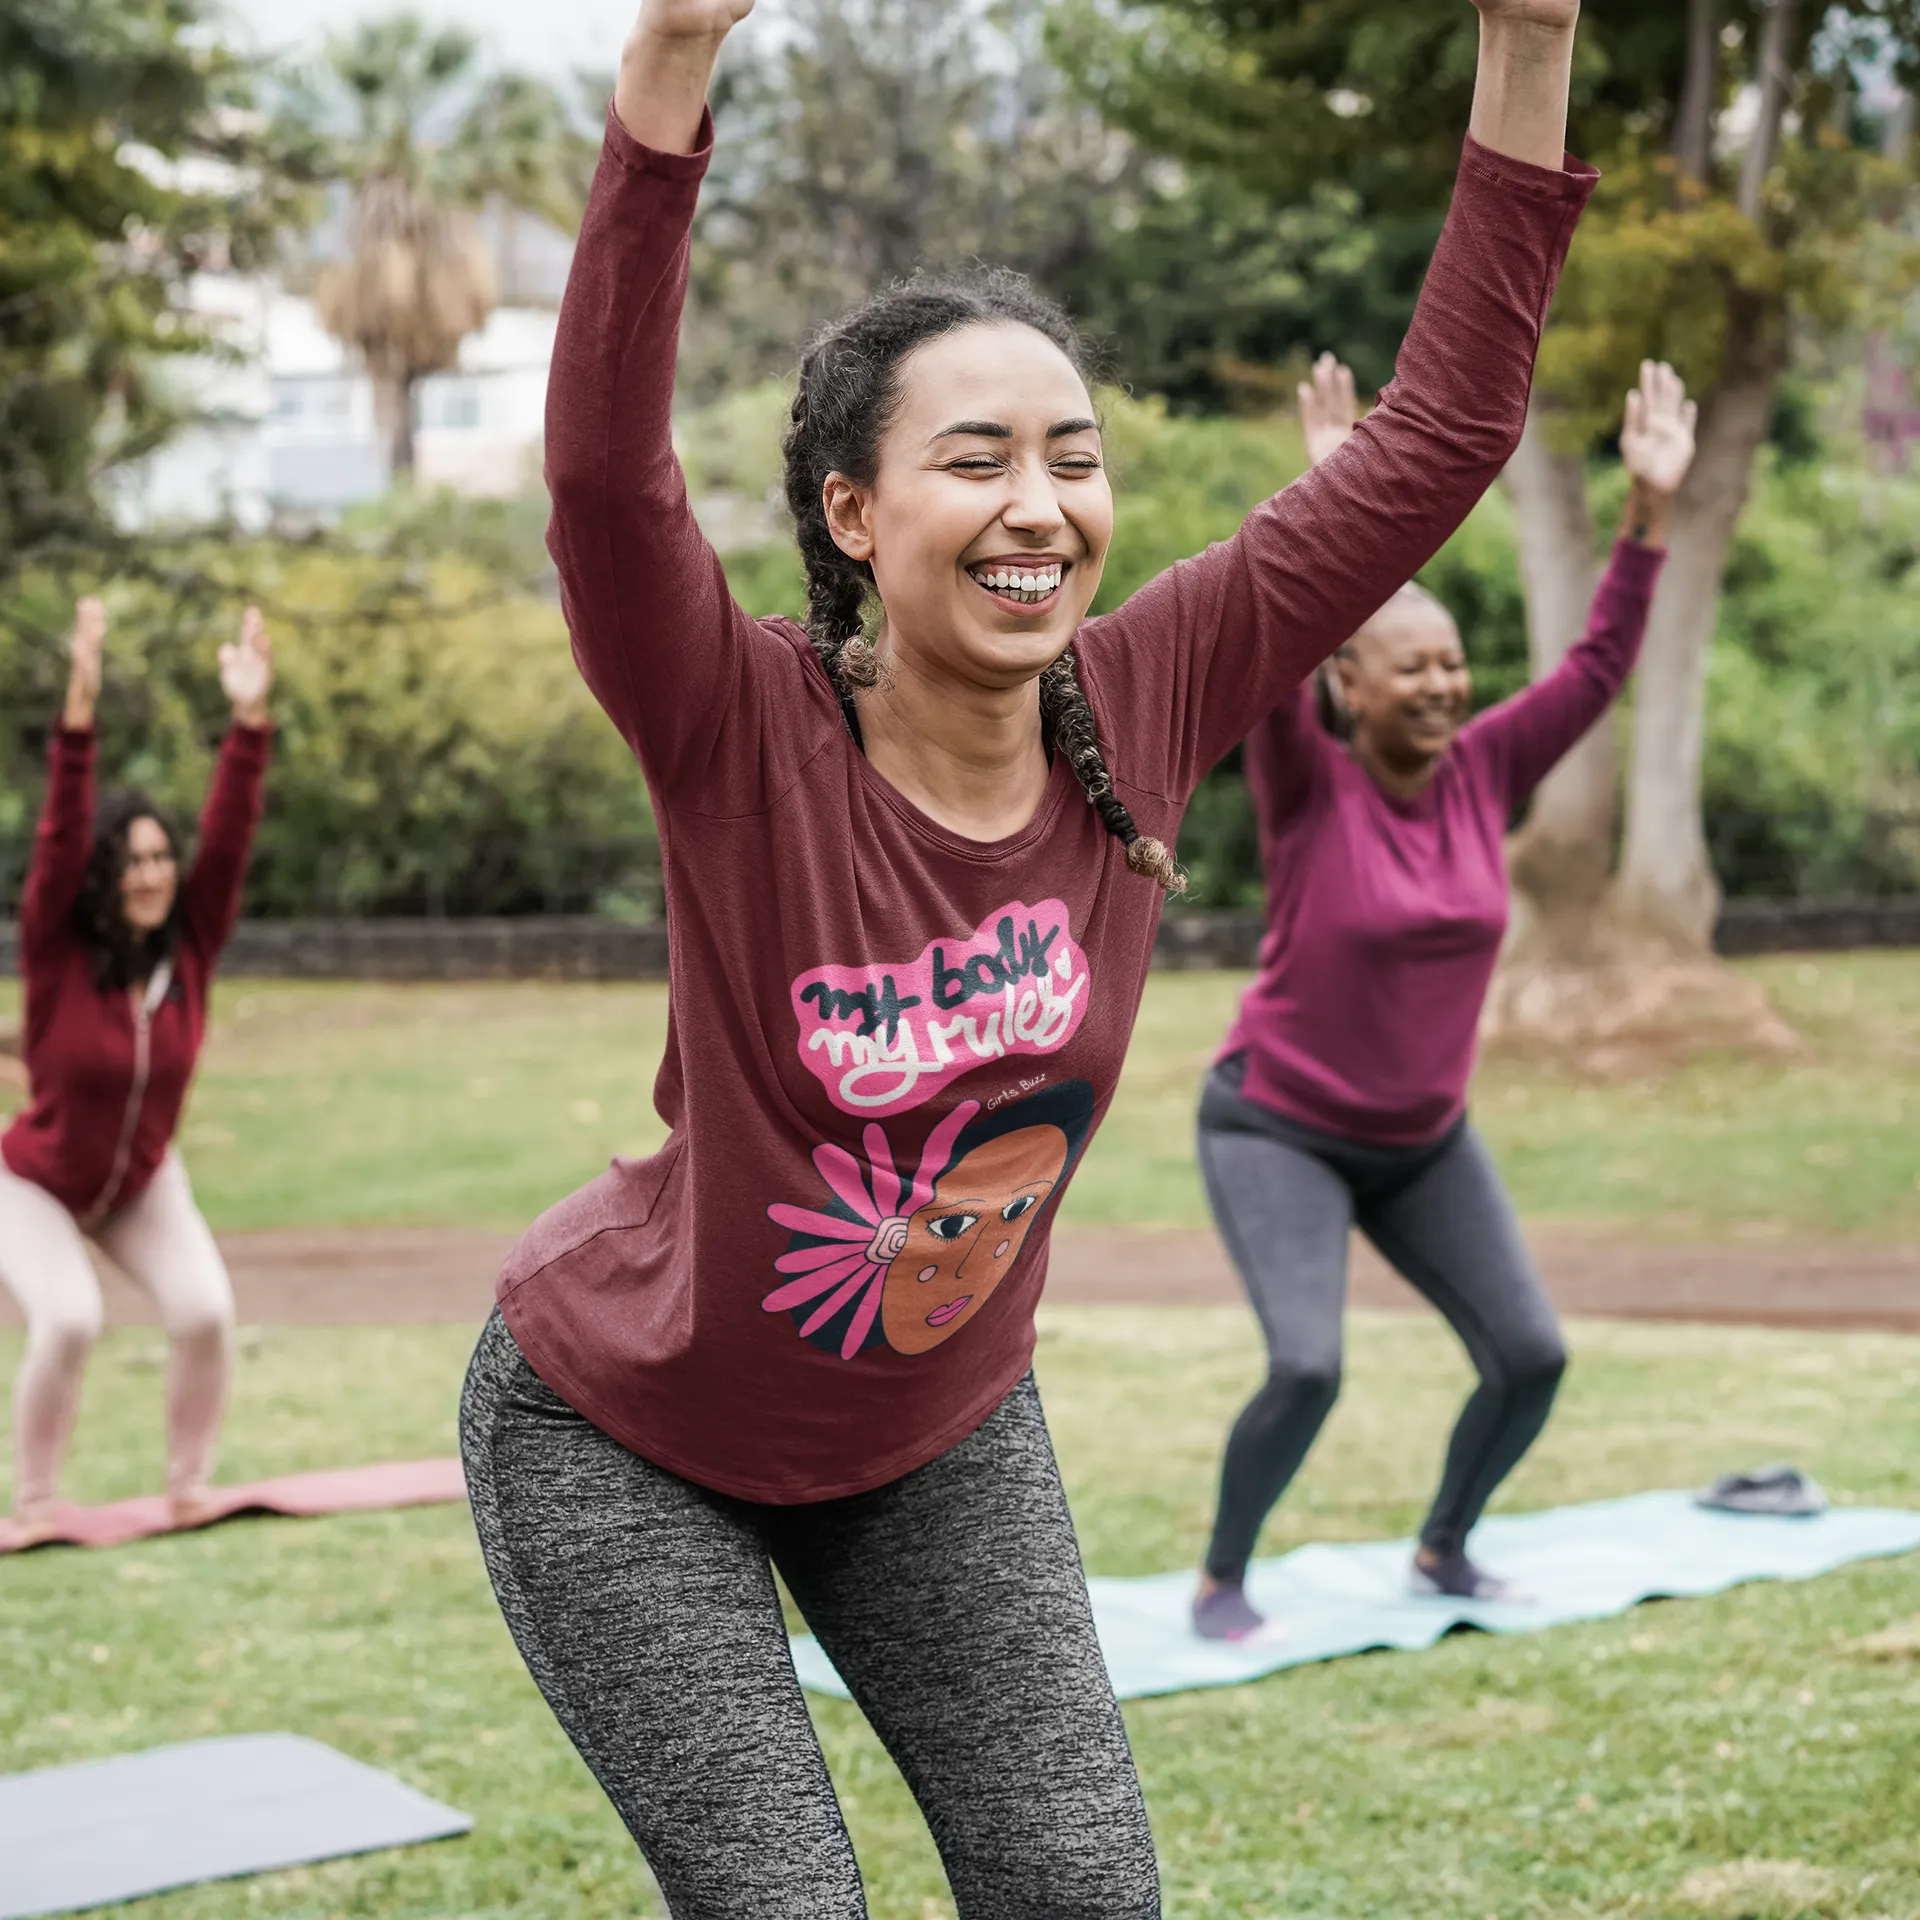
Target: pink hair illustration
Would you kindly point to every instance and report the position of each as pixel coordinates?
(853, 1262)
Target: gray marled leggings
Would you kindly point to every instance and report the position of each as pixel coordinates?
(952, 1601)
(1285, 1197)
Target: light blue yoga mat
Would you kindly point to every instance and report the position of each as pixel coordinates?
(1577, 1563)
(103, 1830)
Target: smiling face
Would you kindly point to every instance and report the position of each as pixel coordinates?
(989, 516)
(1405, 681)
(150, 878)
(964, 1241)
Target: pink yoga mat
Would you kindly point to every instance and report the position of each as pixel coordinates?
(392, 1483)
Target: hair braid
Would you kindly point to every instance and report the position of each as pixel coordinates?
(1067, 717)
(847, 394)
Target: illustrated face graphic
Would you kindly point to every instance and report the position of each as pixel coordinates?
(964, 1241)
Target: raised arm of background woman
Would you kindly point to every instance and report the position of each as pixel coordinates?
(210, 894)
(63, 842)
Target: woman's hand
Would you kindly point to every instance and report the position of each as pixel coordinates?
(1328, 408)
(666, 66)
(83, 676)
(246, 670)
(1656, 447)
(1656, 444)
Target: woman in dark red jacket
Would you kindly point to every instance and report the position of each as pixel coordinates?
(118, 949)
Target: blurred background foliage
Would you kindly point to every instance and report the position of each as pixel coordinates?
(1153, 171)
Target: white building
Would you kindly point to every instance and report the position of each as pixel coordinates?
(286, 425)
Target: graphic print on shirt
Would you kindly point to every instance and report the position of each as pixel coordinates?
(878, 1265)
(883, 1037)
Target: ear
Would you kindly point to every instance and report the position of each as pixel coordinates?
(1341, 671)
(849, 516)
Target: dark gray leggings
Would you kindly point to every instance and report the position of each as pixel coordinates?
(1285, 1197)
(952, 1601)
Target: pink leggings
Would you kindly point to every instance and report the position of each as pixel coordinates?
(161, 1240)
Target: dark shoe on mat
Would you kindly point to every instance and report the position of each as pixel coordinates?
(1455, 1577)
(1779, 1489)
(1223, 1613)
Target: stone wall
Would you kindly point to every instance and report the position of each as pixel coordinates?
(592, 949)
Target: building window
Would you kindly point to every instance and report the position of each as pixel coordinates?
(311, 405)
(450, 406)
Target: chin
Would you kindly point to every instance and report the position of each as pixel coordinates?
(1022, 654)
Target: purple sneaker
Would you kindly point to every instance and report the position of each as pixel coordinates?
(1457, 1578)
(1223, 1614)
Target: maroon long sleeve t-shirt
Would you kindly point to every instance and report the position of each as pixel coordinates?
(889, 1045)
(106, 1097)
(1385, 916)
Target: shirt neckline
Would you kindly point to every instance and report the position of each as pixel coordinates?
(1059, 778)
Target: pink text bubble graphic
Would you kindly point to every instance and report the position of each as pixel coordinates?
(883, 1038)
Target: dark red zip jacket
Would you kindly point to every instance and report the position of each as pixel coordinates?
(107, 1097)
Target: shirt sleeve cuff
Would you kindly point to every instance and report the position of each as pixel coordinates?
(1569, 184)
(1636, 566)
(630, 153)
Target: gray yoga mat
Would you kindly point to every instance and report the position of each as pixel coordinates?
(85, 1835)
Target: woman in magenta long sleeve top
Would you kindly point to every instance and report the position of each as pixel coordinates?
(118, 949)
(914, 853)
(1339, 1098)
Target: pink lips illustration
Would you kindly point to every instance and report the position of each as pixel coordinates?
(940, 1316)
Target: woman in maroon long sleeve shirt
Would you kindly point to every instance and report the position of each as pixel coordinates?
(911, 853)
(1340, 1095)
(118, 949)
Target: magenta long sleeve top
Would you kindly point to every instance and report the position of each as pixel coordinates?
(1385, 916)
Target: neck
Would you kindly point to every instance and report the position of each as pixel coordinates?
(1406, 778)
(967, 756)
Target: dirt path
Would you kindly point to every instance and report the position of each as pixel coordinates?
(384, 1276)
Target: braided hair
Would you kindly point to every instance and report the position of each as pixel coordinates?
(848, 391)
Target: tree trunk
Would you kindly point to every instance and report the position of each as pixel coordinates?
(393, 415)
(1666, 889)
(1778, 39)
(1560, 859)
(1699, 94)
(1629, 983)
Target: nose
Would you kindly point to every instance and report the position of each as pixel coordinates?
(1035, 505)
(986, 1234)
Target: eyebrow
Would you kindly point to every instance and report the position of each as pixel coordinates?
(997, 430)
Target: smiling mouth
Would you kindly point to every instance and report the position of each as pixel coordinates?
(944, 1316)
(1025, 588)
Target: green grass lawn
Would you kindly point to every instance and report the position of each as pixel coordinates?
(481, 1105)
(1625, 1768)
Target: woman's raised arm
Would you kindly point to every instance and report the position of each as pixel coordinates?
(1217, 641)
(655, 632)
(1522, 739)
(210, 894)
(63, 841)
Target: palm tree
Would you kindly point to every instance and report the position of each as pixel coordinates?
(422, 138)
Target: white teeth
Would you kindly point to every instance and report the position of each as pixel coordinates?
(1019, 582)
